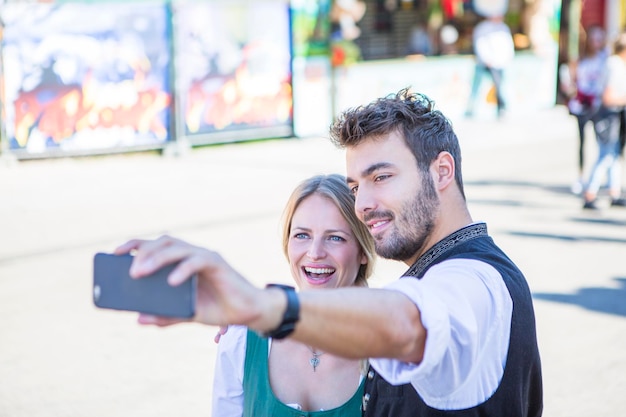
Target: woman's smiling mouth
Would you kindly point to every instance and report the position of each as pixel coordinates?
(318, 273)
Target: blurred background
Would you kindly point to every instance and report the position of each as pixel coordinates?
(96, 76)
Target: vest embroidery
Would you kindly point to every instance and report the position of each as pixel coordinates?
(446, 244)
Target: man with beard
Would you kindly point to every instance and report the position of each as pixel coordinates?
(455, 336)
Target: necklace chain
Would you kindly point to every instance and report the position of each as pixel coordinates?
(315, 360)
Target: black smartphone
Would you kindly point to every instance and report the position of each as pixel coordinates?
(113, 288)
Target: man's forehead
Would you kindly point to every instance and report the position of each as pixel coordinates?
(360, 168)
(391, 154)
(374, 151)
(358, 158)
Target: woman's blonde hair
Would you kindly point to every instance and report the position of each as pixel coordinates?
(334, 188)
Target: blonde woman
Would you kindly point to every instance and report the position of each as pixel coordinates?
(327, 247)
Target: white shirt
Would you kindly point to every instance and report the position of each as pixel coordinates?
(466, 309)
(590, 73)
(616, 76)
(493, 44)
(228, 377)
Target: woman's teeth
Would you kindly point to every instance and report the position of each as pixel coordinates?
(318, 271)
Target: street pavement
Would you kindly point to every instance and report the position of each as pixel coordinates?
(62, 357)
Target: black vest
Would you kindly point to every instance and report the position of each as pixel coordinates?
(520, 393)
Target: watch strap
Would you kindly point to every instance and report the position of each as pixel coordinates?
(291, 315)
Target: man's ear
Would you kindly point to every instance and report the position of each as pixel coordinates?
(443, 168)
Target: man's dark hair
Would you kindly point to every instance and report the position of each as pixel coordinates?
(426, 131)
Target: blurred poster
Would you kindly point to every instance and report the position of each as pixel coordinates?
(312, 72)
(311, 27)
(233, 69)
(85, 77)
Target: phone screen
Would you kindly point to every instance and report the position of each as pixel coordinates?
(113, 288)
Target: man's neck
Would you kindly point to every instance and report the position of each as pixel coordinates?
(443, 229)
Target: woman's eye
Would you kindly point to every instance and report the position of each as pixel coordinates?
(300, 236)
(337, 238)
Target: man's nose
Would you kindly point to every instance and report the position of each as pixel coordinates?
(363, 202)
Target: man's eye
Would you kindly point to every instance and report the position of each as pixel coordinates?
(354, 189)
(381, 178)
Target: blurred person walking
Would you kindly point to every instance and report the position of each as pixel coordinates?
(494, 51)
(608, 127)
(582, 84)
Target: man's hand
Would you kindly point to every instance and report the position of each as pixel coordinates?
(223, 295)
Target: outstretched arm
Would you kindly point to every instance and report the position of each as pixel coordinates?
(350, 322)
(362, 323)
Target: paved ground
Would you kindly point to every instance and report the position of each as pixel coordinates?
(61, 357)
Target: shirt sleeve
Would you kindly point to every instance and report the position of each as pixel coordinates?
(466, 310)
(228, 377)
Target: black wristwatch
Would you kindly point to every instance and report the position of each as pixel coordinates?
(291, 316)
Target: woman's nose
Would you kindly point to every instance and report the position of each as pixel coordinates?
(316, 249)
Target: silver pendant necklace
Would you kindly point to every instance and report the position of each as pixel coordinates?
(315, 360)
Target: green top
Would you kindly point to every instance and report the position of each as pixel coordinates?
(259, 399)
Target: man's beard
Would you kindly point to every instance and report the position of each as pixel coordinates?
(411, 228)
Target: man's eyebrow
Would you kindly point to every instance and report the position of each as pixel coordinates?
(371, 169)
